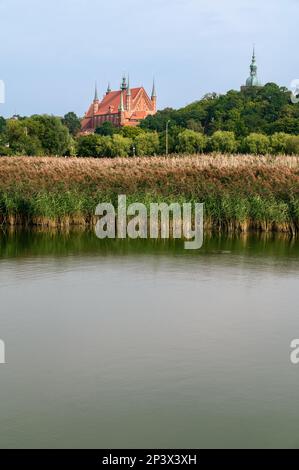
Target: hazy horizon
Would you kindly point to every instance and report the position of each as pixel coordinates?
(52, 52)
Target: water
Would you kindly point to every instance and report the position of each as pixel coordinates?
(139, 344)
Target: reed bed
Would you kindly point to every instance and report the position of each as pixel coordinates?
(240, 192)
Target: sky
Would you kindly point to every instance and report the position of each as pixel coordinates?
(52, 51)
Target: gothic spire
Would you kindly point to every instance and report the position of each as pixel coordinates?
(253, 53)
(96, 97)
(108, 88)
(154, 94)
(128, 87)
(253, 66)
(121, 106)
(123, 85)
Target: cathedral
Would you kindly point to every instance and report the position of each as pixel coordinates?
(124, 107)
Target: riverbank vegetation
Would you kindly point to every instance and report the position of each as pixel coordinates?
(240, 192)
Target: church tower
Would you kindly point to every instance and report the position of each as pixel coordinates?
(121, 108)
(154, 97)
(252, 81)
(128, 96)
(95, 104)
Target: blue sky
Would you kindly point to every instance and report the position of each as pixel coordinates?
(51, 51)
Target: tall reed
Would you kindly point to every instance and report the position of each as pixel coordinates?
(240, 192)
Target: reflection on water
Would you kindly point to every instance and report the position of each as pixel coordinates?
(144, 344)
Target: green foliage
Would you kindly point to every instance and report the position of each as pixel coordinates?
(37, 135)
(194, 125)
(258, 144)
(260, 110)
(190, 141)
(88, 145)
(147, 143)
(131, 132)
(243, 120)
(159, 120)
(107, 128)
(2, 124)
(19, 140)
(293, 145)
(279, 143)
(72, 122)
(120, 146)
(223, 141)
(94, 145)
(53, 135)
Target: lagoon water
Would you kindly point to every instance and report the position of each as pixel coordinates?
(142, 344)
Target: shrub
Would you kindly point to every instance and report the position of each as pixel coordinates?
(190, 141)
(53, 135)
(258, 144)
(88, 145)
(223, 141)
(147, 143)
(131, 132)
(279, 143)
(120, 146)
(293, 145)
(107, 128)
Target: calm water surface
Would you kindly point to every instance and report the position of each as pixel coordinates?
(139, 344)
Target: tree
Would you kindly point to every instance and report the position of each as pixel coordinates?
(131, 132)
(104, 146)
(120, 146)
(20, 140)
(88, 146)
(54, 136)
(258, 144)
(72, 122)
(279, 143)
(258, 110)
(191, 142)
(147, 143)
(2, 124)
(223, 141)
(159, 120)
(107, 128)
(293, 145)
(194, 125)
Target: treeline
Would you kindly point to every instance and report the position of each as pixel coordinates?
(39, 135)
(257, 121)
(186, 141)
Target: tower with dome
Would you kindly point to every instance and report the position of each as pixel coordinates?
(253, 80)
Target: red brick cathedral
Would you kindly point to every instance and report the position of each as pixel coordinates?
(124, 107)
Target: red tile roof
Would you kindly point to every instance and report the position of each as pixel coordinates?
(111, 101)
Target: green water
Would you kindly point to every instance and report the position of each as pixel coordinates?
(143, 344)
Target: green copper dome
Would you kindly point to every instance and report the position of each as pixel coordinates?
(253, 79)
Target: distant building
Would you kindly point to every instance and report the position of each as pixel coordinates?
(252, 81)
(124, 107)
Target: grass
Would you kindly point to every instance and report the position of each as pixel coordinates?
(240, 192)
